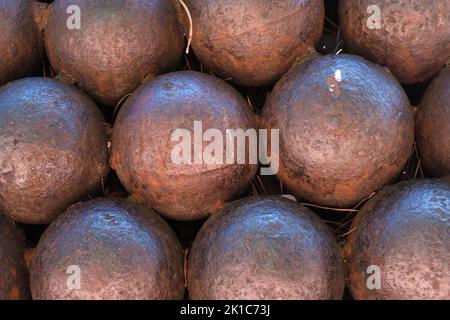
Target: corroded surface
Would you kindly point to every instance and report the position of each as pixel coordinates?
(13, 274)
(52, 149)
(123, 251)
(265, 248)
(119, 45)
(413, 39)
(142, 146)
(433, 126)
(346, 129)
(20, 52)
(254, 42)
(405, 231)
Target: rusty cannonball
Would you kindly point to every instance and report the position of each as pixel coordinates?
(433, 126)
(108, 249)
(400, 246)
(110, 47)
(254, 42)
(410, 37)
(53, 149)
(346, 129)
(265, 248)
(13, 273)
(164, 168)
(20, 52)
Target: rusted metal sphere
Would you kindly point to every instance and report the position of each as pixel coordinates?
(108, 249)
(400, 246)
(143, 144)
(20, 44)
(346, 129)
(410, 37)
(13, 273)
(117, 46)
(53, 149)
(254, 42)
(265, 248)
(433, 126)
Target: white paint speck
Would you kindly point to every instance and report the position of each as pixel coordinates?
(290, 197)
(338, 75)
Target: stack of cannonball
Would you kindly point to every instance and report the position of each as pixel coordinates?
(224, 150)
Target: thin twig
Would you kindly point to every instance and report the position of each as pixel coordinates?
(416, 151)
(249, 101)
(103, 188)
(191, 28)
(119, 104)
(331, 22)
(261, 184)
(186, 255)
(364, 200)
(329, 208)
(188, 63)
(417, 168)
(348, 232)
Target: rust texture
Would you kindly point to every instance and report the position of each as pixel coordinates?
(142, 146)
(123, 251)
(119, 45)
(254, 42)
(433, 126)
(265, 248)
(20, 53)
(405, 231)
(413, 40)
(346, 129)
(13, 273)
(41, 11)
(52, 149)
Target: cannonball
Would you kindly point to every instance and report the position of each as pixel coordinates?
(265, 248)
(110, 47)
(410, 37)
(108, 249)
(400, 246)
(13, 274)
(433, 126)
(53, 149)
(254, 42)
(346, 129)
(181, 183)
(20, 45)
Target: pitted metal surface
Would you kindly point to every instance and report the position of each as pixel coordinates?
(13, 274)
(433, 126)
(20, 44)
(120, 44)
(346, 129)
(405, 232)
(254, 42)
(412, 39)
(53, 149)
(143, 148)
(122, 251)
(265, 248)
